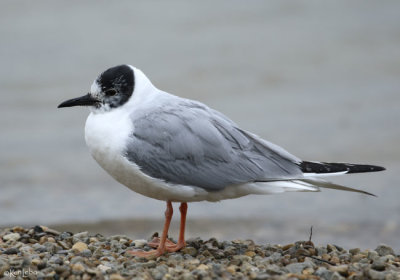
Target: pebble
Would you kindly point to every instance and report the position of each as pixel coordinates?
(203, 267)
(77, 268)
(354, 251)
(116, 276)
(297, 268)
(11, 237)
(384, 250)
(54, 255)
(103, 268)
(190, 251)
(11, 251)
(372, 255)
(79, 246)
(140, 243)
(86, 253)
(81, 235)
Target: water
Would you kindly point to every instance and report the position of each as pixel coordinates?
(320, 79)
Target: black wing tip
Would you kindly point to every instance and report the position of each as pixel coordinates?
(325, 167)
(360, 168)
(368, 193)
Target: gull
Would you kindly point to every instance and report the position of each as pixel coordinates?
(179, 150)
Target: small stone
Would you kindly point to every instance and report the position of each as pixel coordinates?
(384, 250)
(335, 260)
(250, 254)
(288, 246)
(65, 235)
(372, 255)
(11, 251)
(116, 276)
(202, 267)
(81, 235)
(376, 275)
(51, 231)
(345, 257)
(190, 251)
(79, 246)
(140, 243)
(340, 249)
(86, 253)
(321, 251)
(51, 240)
(379, 264)
(77, 259)
(11, 237)
(342, 269)
(41, 265)
(336, 276)
(63, 244)
(230, 250)
(193, 262)
(241, 259)
(78, 268)
(86, 276)
(65, 252)
(231, 269)
(56, 260)
(43, 239)
(150, 264)
(93, 240)
(103, 268)
(354, 251)
(274, 257)
(187, 276)
(38, 229)
(324, 273)
(326, 257)
(91, 270)
(263, 276)
(331, 248)
(18, 229)
(36, 261)
(308, 271)
(274, 270)
(39, 248)
(51, 247)
(160, 272)
(297, 268)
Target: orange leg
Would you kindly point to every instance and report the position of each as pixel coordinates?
(181, 240)
(171, 246)
(161, 249)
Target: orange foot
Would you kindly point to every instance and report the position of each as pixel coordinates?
(169, 245)
(147, 254)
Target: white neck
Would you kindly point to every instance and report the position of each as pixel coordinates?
(144, 91)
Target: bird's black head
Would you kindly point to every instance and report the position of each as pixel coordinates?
(111, 89)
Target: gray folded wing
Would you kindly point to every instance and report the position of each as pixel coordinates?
(190, 144)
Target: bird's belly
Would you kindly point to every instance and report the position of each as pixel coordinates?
(130, 175)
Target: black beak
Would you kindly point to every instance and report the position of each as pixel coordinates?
(86, 100)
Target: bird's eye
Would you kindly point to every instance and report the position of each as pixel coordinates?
(110, 92)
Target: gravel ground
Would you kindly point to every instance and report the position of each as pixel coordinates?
(43, 253)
